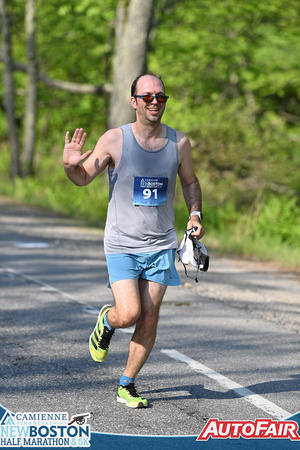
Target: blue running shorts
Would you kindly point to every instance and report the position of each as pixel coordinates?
(154, 266)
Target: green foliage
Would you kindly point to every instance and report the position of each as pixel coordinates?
(231, 69)
(232, 73)
(279, 220)
(268, 230)
(51, 189)
(74, 43)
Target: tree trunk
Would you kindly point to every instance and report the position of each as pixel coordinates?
(31, 95)
(132, 29)
(9, 93)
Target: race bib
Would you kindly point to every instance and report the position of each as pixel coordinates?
(150, 191)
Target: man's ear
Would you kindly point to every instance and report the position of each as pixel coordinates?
(133, 102)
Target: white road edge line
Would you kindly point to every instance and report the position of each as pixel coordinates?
(48, 288)
(45, 286)
(247, 394)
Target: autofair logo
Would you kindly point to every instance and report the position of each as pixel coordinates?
(42, 429)
(259, 429)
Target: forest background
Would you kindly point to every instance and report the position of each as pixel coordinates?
(231, 69)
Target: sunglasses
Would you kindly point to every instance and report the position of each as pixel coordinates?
(149, 98)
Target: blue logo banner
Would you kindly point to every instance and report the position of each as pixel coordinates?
(57, 430)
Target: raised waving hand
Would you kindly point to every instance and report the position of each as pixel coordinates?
(73, 155)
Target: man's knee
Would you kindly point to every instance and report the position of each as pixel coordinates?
(149, 318)
(128, 318)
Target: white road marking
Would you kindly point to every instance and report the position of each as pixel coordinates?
(48, 288)
(31, 244)
(247, 394)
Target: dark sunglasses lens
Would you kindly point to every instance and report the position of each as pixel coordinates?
(162, 98)
(148, 98)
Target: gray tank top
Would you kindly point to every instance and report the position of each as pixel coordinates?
(140, 216)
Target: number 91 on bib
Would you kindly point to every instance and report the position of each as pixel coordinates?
(150, 191)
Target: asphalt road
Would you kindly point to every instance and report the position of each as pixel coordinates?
(227, 347)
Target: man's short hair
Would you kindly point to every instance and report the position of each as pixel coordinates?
(134, 84)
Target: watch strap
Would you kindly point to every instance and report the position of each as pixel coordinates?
(197, 213)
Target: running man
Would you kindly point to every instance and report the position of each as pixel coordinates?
(143, 159)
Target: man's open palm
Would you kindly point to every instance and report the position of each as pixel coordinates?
(73, 155)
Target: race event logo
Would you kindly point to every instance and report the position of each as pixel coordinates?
(42, 429)
(259, 429)
(151, 183)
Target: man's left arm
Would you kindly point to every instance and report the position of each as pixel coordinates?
(190, 185)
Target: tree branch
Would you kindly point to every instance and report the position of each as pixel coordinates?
(69, 86)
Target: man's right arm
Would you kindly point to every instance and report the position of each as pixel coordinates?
(82, 173)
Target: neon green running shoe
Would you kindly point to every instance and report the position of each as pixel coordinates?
(100, 337)
(129, 396)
